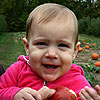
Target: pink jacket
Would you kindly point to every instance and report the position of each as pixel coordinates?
(20, 75)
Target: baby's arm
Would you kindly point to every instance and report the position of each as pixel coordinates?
(31, 94)
(90, 94)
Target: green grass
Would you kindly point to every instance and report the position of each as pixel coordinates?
(91, 39)
(10, 48)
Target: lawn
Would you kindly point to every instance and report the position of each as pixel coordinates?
(10, 48)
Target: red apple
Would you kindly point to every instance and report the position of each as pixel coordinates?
(63, 93)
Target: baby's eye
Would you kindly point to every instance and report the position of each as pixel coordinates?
(41, 44)
(62, 45)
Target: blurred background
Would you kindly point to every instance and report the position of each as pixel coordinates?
(13, 14)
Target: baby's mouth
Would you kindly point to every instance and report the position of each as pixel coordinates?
(50, 66)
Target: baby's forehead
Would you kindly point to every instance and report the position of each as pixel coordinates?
(68, 23)
(53, 27)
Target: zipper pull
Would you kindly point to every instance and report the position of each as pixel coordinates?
(45, 83)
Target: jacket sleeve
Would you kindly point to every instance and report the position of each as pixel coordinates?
(8, 83)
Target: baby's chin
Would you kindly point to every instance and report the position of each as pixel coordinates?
(50, 78)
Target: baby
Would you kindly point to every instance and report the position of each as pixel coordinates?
(51, 45)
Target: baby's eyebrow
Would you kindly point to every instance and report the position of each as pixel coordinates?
(35, 40)
(65, 41)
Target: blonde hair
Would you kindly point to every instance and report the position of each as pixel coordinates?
(48, 12)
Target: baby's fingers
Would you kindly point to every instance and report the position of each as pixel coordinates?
(45, 92)
(84, 95)
(33, 94)
(89, 94)
(92, 93)
(97, 87)
(27, 94)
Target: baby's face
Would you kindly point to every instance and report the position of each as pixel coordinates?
(51, 50)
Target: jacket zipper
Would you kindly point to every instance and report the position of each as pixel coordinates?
(45, 83)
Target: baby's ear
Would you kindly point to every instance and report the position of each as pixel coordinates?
(77, 46)
(26, 45)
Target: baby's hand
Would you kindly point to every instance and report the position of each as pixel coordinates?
(27, 94)
(45, 92)
(90, 94)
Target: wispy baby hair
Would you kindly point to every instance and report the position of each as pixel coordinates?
(49, 12)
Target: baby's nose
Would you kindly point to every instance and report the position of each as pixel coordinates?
(51, 53)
